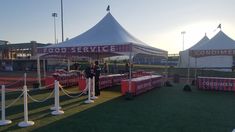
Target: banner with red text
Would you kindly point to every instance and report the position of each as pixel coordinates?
(220, 52)
(84, 49)
(216, 83)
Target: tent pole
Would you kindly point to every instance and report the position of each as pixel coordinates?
(130, 62)
(179, 65)
(166, 69)
(68, 65)
(195, 74)
(44, 68)
(39, 71)
(188, 69)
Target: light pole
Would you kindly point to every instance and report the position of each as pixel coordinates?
(62, 20)
(183, 33)
(54, 15)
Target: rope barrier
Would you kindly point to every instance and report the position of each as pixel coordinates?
(11, 84)
(40, 101)
(13, 90)
(69, 92)
(41, 88)
(45, 87)
(72, 96)
(14, 101)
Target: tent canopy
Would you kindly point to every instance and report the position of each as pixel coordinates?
(200, 43)
(106, 38)
(184, 60)
(219, 45)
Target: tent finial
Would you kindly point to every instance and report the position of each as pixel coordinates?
(108, 8)
(219, 26)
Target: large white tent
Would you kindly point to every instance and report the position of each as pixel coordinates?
(107, 38)
(184, 60)
(217, 52)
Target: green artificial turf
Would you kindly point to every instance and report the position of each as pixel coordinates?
(166, 109)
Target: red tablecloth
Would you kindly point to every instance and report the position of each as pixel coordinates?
(65, 81)
(216, 83)
(49, 81)
(140, 84)
(156, 81)
(105, 81)
(116, 78)
(82, 83)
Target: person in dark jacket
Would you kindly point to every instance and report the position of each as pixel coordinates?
(97, 71)
(88, 74)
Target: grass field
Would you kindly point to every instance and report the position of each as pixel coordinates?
(167, 109)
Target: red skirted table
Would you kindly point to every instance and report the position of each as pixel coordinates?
(82, 83)
(216, 83)
(49, 81)
(105, 81)
(66, 80)
(141, 84)
(116, 78)
(156, 81)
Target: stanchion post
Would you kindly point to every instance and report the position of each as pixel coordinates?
(25, 79)
(4, 121)
(26, 122)
(93, 89)
(55, 96)
(88, 101)
(57, 100)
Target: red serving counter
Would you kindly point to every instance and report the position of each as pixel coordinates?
(66, 79)
(216, 83)
(156, 80)
(141, 84)
(82, 83)
(105, 81)
(116, 78)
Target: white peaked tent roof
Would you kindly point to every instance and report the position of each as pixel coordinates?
(109, 32)
(219, 41)
(200, 43)
(184, 60)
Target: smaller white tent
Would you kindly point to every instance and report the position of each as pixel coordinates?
(215, 53)
(184, 55)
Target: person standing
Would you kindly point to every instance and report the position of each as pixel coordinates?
(105, 68)
(97, 71)
(127, 67)
(88, 74)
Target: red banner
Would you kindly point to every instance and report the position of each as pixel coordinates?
(202, 53)
(216, 83)
(85, 49)
(141, 84)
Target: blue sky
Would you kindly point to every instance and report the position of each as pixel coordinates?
(156, 22)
